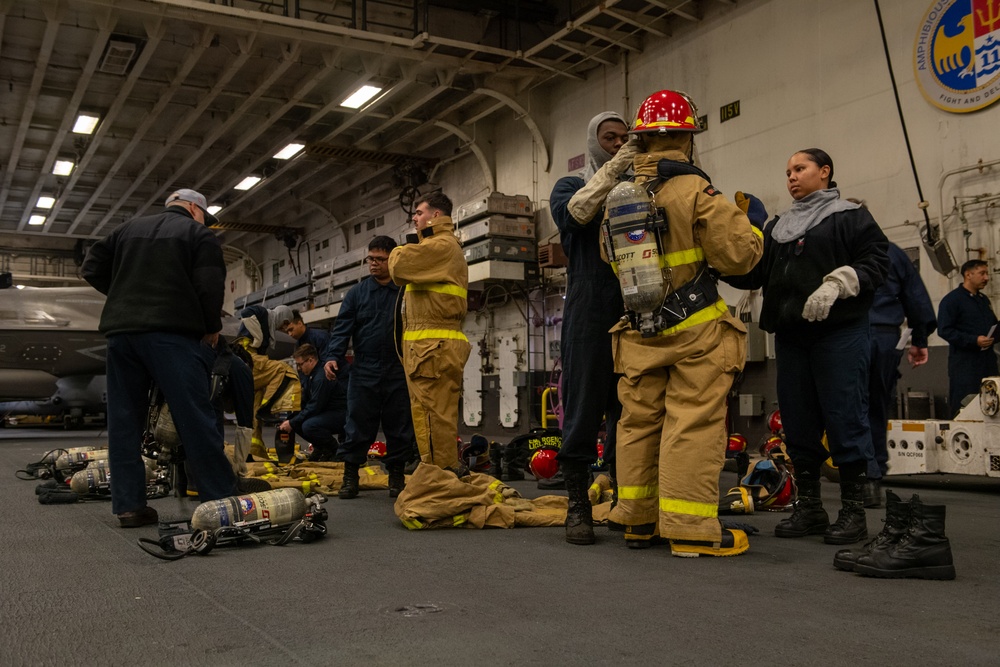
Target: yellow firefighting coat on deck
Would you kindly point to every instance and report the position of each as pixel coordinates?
(435, 277)
(672, 436)
(268, 376)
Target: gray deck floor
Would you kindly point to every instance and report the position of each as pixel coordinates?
(76, 590)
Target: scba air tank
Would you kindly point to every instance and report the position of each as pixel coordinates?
(96, 477)
(53, 456)
(77, 460)
(632, 237)
(165, 432)
(278, 506)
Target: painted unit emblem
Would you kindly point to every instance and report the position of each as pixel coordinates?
(956, 56)
(636, 236)
(246, 505)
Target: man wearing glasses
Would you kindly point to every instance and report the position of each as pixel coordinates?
(377, 391)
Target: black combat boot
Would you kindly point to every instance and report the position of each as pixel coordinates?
(897, 520)
(496, 460)
(808, 516)
(873, 493)
(850, 526)
(514, 462)
(579, 517)
(924, 552)
(397, 479)
(349, 487)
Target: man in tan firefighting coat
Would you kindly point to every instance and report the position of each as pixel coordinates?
(435, 277)
(672, 433)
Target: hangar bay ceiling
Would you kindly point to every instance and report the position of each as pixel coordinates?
(203, 94)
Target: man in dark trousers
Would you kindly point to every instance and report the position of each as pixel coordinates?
(902, 295)
(593, 305)
(377, 393)
(164, 276)
(966, 320)
(324, 405)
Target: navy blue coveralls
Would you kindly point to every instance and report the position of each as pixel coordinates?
(377, 391)
(962, 318)
(902, 295)
(589, 392)
(318, 338)
(324, 409)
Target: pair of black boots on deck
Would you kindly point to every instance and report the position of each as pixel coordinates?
(809, 517)
(911, 544)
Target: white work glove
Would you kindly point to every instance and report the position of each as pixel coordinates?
(589, 199)
(840, 283)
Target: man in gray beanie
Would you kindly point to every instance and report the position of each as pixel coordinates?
(593, 305)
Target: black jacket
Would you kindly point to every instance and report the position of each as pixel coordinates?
(903, 295)
(161, 272)
(790, 272)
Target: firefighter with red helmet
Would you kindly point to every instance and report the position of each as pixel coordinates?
(678, 347)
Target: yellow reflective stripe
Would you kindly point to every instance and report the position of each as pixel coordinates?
(614, 267)
(306, 487)
(680, 257)
(421, 334)
(702, 316)
(756, 231)
(370, 471)
(412, 524)
(270, 467)
(497, 495)
(458, 520)
(256, 441)
(269, 477)
(689, 507)
(637, 492)
(313, 477)
(439, 288)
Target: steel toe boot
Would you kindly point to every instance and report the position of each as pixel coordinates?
(924, 552)
(850, 526)
(733, 543)
(397, 479)
(808, 516)
(897, 521)
(579, 516)
(349, 487)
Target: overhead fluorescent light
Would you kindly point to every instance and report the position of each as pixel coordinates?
(248, 182)
(36, 220)
(45, 202)
(214, 210)
(86, 123)
(289, 151)
(63, 167)
(360, 96)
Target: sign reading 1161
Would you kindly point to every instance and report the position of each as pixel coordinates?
(729, 111)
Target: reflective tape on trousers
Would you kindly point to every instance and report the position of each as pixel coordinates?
(637, 492)
(689, 507)
(423, 334)
(439, 288)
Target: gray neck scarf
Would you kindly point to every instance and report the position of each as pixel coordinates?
(808, 212)
(597, 156)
